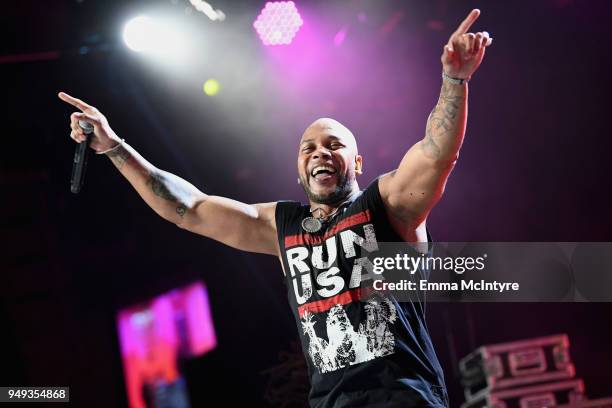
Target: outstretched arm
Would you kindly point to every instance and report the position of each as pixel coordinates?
(243, 226)
(412, 190)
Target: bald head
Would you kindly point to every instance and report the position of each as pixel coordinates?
(331, 127)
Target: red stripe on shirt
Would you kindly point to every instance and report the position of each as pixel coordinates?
(309, 239)
(341, 299)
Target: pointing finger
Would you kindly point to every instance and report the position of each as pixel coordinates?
(467, 23)
(74, 101)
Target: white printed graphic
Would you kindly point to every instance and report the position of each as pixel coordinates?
(325, 258)
(347, 346)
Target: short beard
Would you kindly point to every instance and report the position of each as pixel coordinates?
(342, 190)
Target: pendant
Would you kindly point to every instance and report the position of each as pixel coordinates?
(311, 225)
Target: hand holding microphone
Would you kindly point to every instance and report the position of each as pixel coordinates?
(89, 126)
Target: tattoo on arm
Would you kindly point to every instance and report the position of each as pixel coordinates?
(164, 185)
(119, 156)
(157, 184)
(442, 122)
(429, 146)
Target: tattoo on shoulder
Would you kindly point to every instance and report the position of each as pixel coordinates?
(119, 156)
(180, 210)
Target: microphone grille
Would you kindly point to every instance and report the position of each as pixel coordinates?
(86, 126)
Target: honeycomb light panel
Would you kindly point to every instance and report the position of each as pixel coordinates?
(278, 23)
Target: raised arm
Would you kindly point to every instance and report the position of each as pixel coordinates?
(411, 191)
(243, 226)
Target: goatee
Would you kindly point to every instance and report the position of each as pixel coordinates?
(342, 190)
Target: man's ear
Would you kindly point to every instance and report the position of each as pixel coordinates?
(358, 165)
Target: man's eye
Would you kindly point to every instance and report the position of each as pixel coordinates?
(336, 146)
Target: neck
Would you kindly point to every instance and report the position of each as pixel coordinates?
(326, 209)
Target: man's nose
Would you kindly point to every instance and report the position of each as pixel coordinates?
(321, 153)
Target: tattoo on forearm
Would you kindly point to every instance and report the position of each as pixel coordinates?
(119, 156)
(442, 122)
(172, 189)
(157, 184)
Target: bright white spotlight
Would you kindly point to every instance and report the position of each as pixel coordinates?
(140, 34)
(157, 37)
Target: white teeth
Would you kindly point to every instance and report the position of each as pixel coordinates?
(319, 168)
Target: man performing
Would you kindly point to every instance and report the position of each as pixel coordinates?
(361, 351)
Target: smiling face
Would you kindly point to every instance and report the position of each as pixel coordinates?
(328, 162)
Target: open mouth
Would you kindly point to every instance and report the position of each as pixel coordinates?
(323, 173)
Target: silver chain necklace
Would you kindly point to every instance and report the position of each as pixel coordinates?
(311, 224)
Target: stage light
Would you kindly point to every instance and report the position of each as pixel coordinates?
(211, 87)
(139, 34)
(278, 23)
(159, 37)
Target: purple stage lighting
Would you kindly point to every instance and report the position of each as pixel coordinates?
(278, 23)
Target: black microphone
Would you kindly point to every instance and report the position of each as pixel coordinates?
(80, 158)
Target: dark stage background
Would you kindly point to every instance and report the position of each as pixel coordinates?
(534, 167)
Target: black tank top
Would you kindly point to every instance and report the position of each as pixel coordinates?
(362, 348)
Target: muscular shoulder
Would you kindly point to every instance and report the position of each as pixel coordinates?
(393, 202)
(405, 223)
